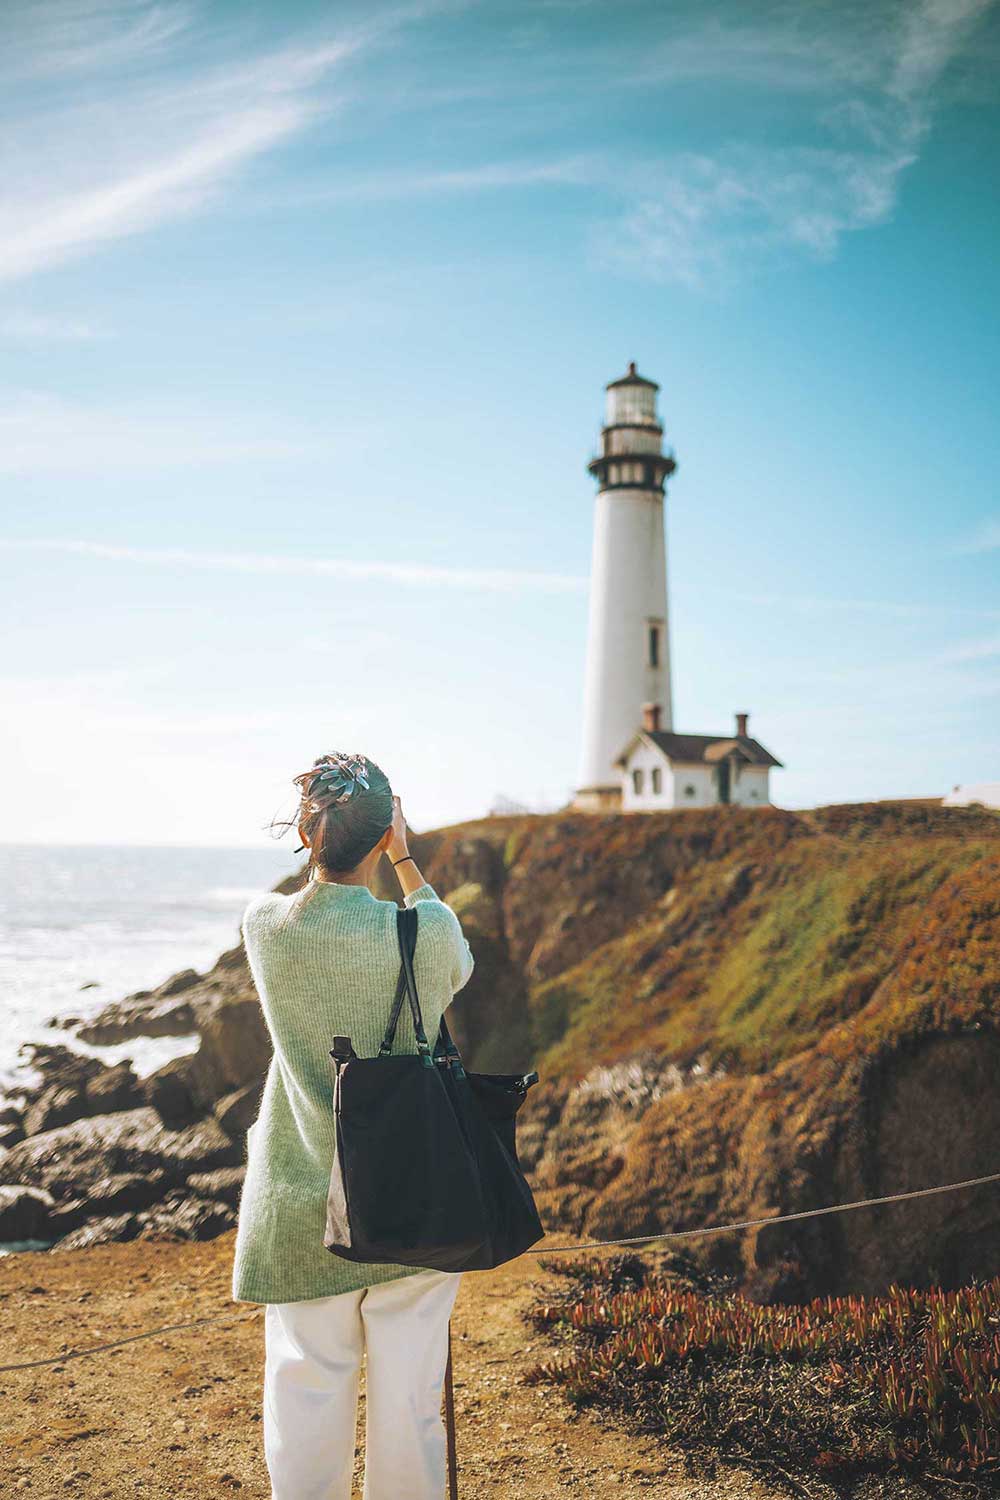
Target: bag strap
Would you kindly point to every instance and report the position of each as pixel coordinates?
(406, 937)
(448, 1049)
(385, 1046)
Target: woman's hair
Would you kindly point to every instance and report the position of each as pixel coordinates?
(345, 806)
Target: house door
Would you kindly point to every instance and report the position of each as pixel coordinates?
(724, 774)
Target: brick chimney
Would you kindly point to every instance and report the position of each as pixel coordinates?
(650, 717)
(741, 726)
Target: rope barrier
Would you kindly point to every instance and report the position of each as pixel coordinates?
(638, 1239)
(133, 1338)
(807, 1213)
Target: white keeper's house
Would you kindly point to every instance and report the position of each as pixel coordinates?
(632, 757)
(661, 769)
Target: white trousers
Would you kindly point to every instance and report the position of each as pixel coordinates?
(312, 1363)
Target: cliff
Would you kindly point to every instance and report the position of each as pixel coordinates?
(735, 1013)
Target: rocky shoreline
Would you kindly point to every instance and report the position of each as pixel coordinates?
(90, 1152)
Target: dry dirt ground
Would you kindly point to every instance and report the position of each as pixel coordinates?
(178, 1415)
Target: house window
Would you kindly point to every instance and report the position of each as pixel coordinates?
(654, 645)
(689, 790)
(637, 781)
(656, 776)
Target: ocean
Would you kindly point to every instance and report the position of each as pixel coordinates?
(114, 919)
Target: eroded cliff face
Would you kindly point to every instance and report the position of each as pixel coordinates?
(735, 1014)
(740, 1015)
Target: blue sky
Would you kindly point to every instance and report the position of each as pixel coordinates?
(305, 315)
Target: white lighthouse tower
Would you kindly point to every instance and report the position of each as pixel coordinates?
(628, 643)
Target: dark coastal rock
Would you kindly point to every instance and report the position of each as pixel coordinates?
(126, 1190)
(156, 1012)
(172, 1090)
(70, 1160)
(58, 1063)
(68, 1214)
(25, 1213)
(178, 983)
(223, 1185)
(182, 1217)
(113, 1089)
(233, 1054)
(111, 1197)
(100, 1232)
(143, 1014)
(56, 1105)
(75, 1086)
(117, 1156)
(234, 960)
(237, 1111)
(235, 1046)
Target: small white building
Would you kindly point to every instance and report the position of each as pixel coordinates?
(974, 794)
(661, 770)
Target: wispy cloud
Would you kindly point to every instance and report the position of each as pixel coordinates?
(25, 327)
(826, 604)
(705, 219)
(578, 170)
(156, 148)
(506, 580)
(106, 700)
(986, 538)
(67, 36)
(41, 433)
(819, 49)
(169, 724)
(980, 650)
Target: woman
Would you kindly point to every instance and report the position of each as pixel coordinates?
(325, 962)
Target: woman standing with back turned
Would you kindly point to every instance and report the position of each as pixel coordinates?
(325, 962)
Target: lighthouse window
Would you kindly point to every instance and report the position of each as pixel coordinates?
(656, 775)
(637, 781)
(654, 645)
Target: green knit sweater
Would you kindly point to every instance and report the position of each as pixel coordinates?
(324, 965)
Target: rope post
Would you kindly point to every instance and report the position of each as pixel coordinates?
(449, 1414)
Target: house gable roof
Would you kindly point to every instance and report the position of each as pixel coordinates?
(692, 749)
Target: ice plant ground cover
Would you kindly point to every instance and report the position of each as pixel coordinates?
(906, 1383)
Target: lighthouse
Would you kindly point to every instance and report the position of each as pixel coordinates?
(628, 642)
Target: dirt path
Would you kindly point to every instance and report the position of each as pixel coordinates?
(178, 1415)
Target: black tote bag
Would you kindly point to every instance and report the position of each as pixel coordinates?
(425, 1169)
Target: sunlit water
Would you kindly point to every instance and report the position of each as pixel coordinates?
(117, 919)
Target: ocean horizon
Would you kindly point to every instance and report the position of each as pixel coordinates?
(82, 925)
